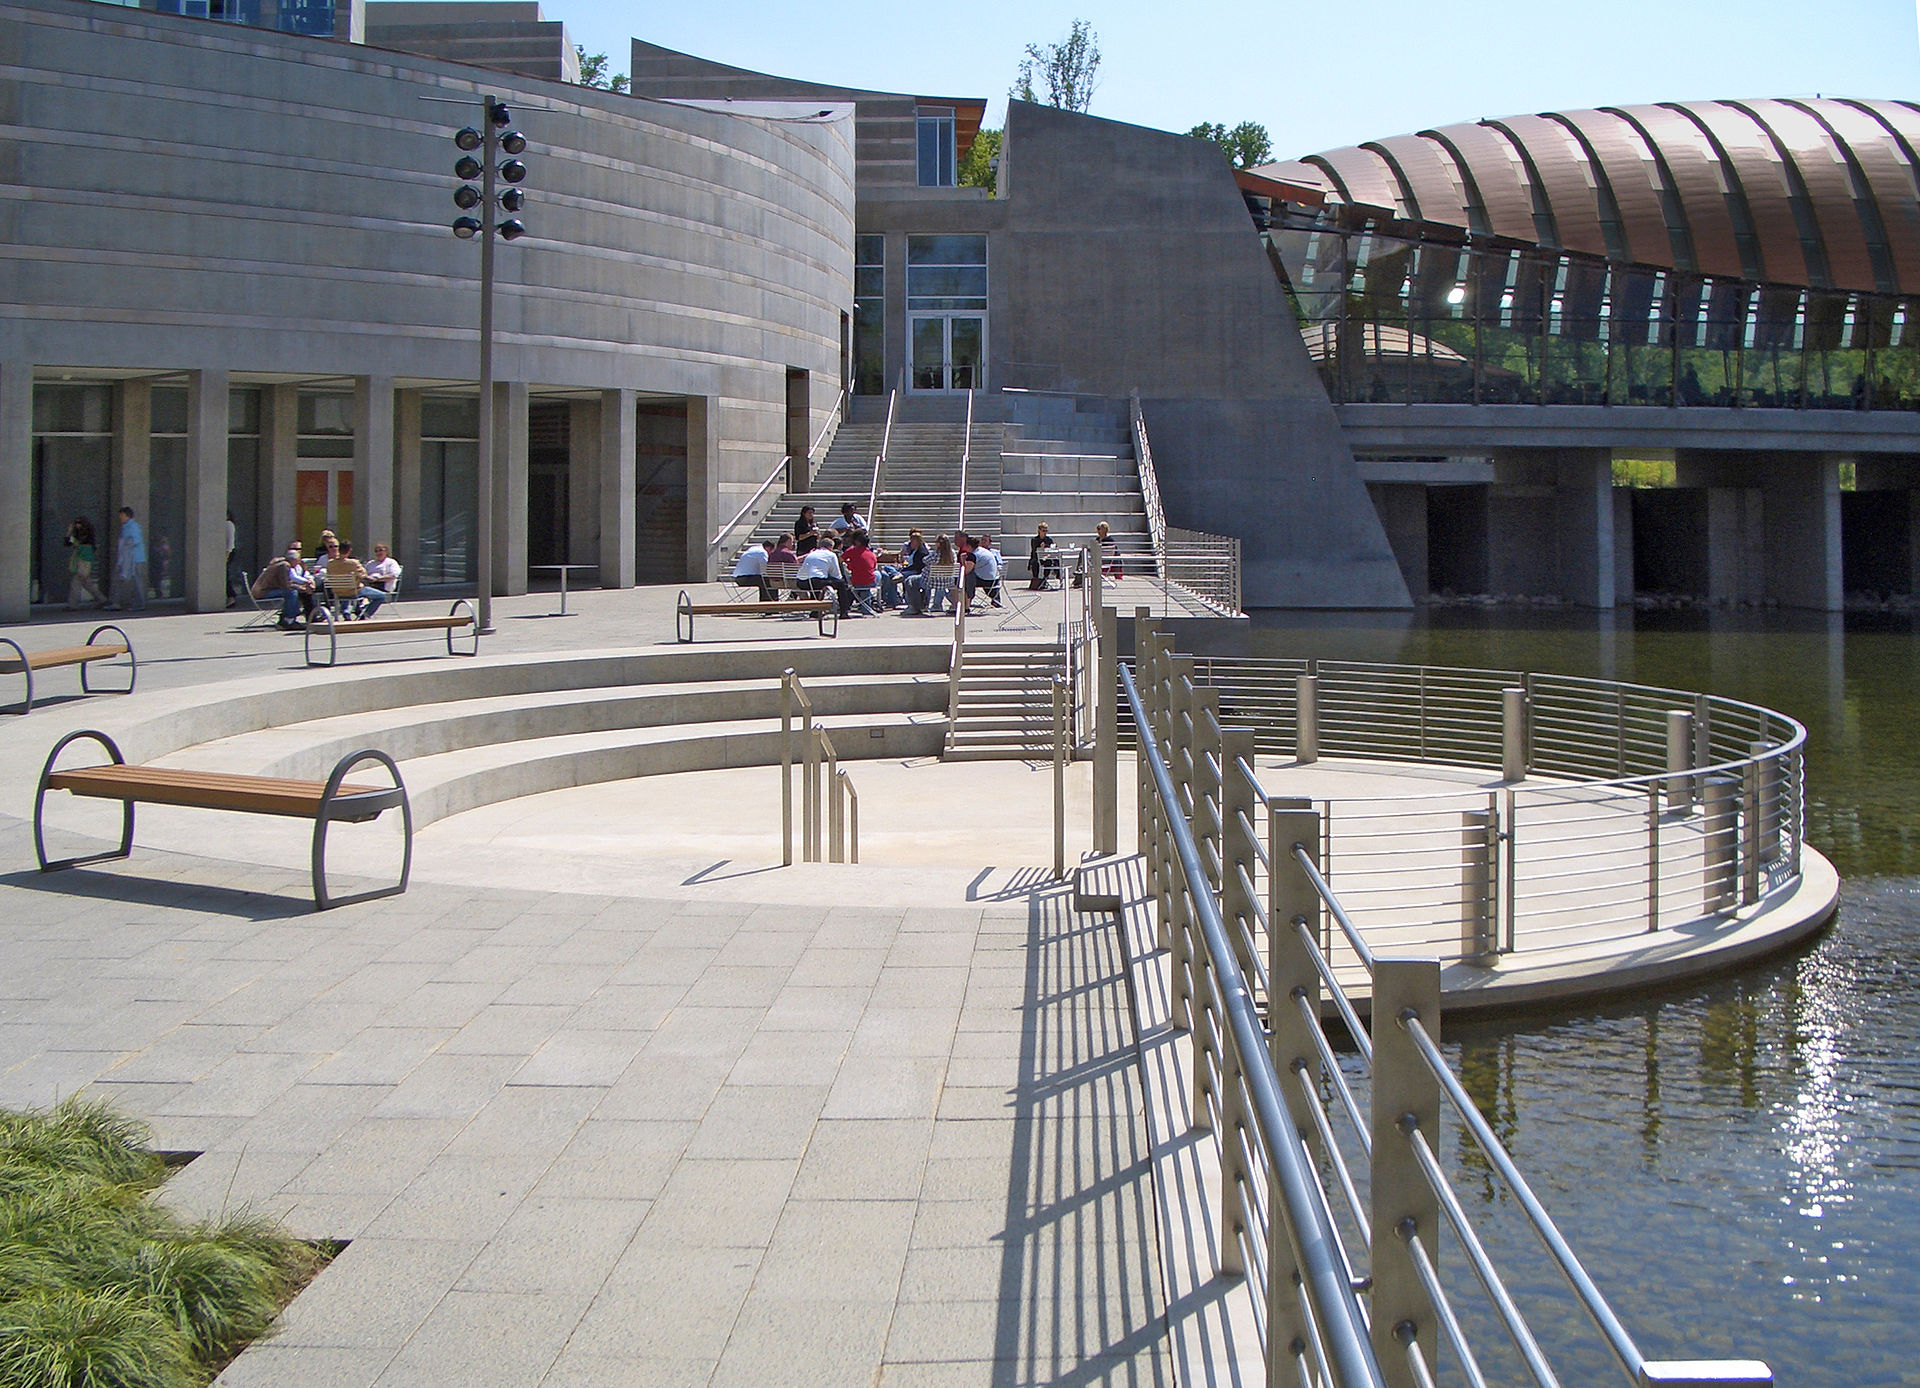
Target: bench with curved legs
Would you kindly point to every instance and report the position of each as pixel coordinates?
(322, 621)
(334, 801)
(823, 610)
(26, 662)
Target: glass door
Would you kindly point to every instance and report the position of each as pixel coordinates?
(949, 352)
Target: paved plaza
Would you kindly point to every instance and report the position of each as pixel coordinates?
(826, 1124)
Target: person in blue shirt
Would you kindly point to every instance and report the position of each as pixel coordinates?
(130, 565)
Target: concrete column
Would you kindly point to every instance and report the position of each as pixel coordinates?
(1403, 515)
(372, 464)
(1736, 569)
(619, 438)
(406, 486)
(1623, 544)
(204, 565)
(1583, 515)
(509, 488)
(583, 482)
(279, 452)
(703, 468)
(1802, 521)
(132, 456)
(16, 494)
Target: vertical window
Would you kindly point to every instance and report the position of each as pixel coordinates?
(245, 496)
(166, 518)
(869, 315)
(449, 473)
(934, 145)
(72, 455)
(946, 272)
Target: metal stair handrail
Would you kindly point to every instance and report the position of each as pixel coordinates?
(1149, 484)
(880, 462)
(966, 455)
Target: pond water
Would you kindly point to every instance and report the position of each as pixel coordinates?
(1736, 1161)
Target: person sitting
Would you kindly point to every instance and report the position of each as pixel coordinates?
(937, 580)
(750, 569)
(863, 570)
(1040, 563)
(849, 520)
(287, 579)
(382, 580)
(986, 571)
(341, 575)
(897, 577)
(820, 571)
(1109, 551)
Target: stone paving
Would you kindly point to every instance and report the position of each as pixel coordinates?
(577, 1138)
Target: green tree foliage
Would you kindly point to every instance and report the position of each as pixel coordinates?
(596, 70)
(976, 170)
(1069, 70)
(1247, 144)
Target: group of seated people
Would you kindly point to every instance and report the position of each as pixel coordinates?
(920, 577)
(354, 591)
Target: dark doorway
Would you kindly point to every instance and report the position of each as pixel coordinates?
(660, 483)
(1876, 542)
(1457, 539)
(1670, 541)
(549, 453)
(799, 390)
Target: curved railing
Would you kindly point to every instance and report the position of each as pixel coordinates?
(1344, 1267)
(1614, 809)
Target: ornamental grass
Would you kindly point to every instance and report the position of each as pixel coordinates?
(102, 1288)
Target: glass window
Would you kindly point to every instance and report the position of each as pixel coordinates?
(869, 314)
(72, 458)
(166, 518)
(946, 272)
(934, 147)
(449, 482)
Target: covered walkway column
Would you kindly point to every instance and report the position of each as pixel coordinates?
(16, 491)
(406, 486)
(372, 464)
(205, 566)
(1801, 504)
(619, 441)
(509, 488)
(583, 482)
(1583, 526)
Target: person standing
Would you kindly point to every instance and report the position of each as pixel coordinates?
(80, 563)
(130, 565)
(236, 580)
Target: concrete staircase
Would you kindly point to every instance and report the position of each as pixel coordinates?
(845, 474)
(1069, 461)
(1004, 710)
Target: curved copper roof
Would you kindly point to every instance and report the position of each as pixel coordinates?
(1823, 193)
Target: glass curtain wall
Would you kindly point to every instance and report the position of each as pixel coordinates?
(869, 315)
(246, 497)
(449, 486)
(947, 312)
(323, 470)
(166, 518)
(72, 480)
(1396, 319)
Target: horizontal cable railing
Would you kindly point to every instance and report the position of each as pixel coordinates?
(1260, 923)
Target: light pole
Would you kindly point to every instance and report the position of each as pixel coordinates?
(491, 140)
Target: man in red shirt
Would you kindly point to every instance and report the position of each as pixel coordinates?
(863, 569)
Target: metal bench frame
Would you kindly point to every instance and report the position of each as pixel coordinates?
(354, 807)
(686, 609)
(26, 663)
(321, 617)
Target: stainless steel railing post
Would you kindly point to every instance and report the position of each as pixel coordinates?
(1479, 845)
(1106, 722)
(1513, 734)
(1653, 855)
(1306, 734)
(1406, 1098)
(1059, 779)
(1767, 766)
(1239, 860)
(786, 766)
(1679, 760)
(1750, 833)
(1719, 860)
(836, 804)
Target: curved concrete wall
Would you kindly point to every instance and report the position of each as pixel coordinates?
(190, 194)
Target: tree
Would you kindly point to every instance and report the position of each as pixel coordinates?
(976, 170)
(1246, 145)
(1069, 69)
(595, 72)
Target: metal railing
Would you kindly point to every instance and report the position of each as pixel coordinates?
(828, 797)
(720, 535)
(880, 464)
(966, 460)
(821, 440)
(1207, 566)
(1614, 810)
(1333, 1209)
(1149, 481)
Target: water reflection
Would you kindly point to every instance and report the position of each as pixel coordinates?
(1738, 1162)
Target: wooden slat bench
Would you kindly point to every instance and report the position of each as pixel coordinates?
(822, 609)
(25, 662)
(324, 802)
(321, 621)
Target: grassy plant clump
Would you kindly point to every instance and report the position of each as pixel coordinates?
(101, 1288)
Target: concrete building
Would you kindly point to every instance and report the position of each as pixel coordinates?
(506, 35)
(254, 305)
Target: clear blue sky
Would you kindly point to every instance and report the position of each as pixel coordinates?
(1317, 75)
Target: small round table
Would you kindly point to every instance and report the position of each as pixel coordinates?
(561, 569)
